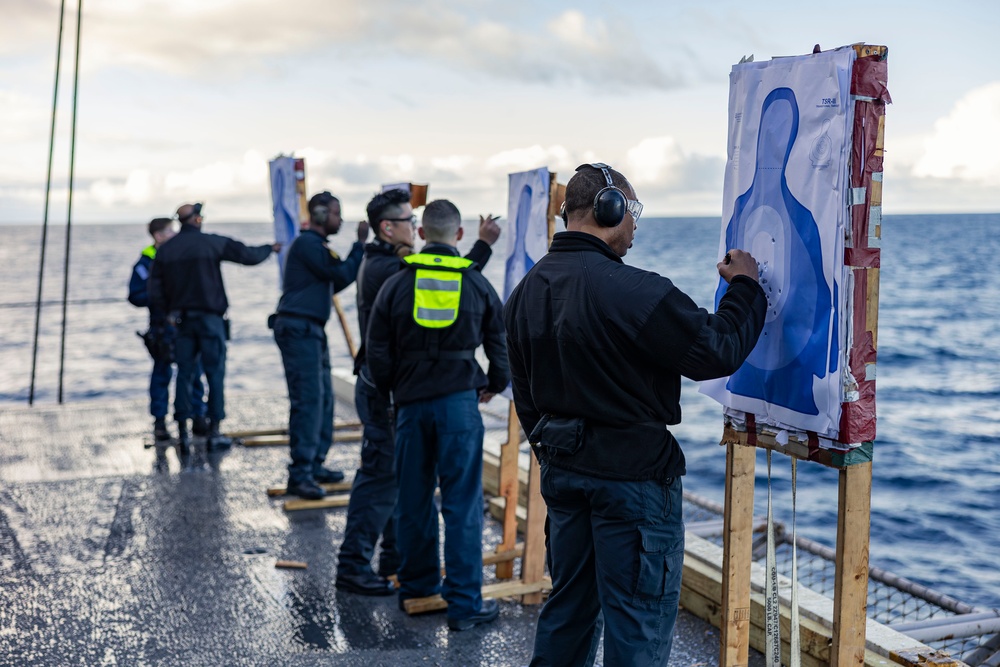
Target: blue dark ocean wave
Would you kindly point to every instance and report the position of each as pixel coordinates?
(936, 473)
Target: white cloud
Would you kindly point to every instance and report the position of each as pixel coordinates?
(571, 28)
(209, 40)
(138, 188)
(965, 144)
(531, 157)
(221, 177)
(253, 169)
(19, 116)
(653, 160)
(455, 163)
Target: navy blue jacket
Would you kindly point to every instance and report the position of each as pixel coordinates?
(138, 294)
(396, 342)
(593, 339)
(187, 274)
(313, 274)
(380, 264)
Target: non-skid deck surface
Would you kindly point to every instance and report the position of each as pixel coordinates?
(107, 558)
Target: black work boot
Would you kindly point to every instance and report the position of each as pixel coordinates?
(214, 438)
(307, 489)
(327, 476)
(487, 614)
(388, 563)
(160, 431)
(183, 442)
(200, 425)
(365, 582)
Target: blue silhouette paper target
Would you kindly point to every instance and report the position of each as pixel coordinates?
(285, 206)
(528, 225)
(786, 202)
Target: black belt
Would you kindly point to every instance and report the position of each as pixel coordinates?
(314, 320)
(439, 355)
(198, 311)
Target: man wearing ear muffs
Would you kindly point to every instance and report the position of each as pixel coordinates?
(597, 349)
(313, 274)
(373, 494)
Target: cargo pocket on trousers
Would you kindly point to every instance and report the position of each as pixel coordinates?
(661, 559)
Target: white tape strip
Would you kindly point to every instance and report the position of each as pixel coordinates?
(772, 614)
(874, 216)
(795, 652)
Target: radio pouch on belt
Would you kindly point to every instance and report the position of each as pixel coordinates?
(160, 340)
(554, 436)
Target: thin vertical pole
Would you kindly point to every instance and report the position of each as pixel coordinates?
(45, 216)
(69, 206)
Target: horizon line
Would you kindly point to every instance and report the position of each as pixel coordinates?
(62, 223)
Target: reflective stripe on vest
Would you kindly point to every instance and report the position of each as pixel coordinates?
(150, 252)
(437, 288)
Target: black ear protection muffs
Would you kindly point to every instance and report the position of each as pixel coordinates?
(320, 215)
(195, 212)
(610, 202)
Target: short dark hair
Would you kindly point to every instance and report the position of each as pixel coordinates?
(321, 199)
(158, 225)
(387, 204)
(324, 198)
(441, 220)
(586, 183)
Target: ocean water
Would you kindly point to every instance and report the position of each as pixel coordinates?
(936, 474)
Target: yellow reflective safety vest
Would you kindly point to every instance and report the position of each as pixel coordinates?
(437, 289)
(149, 252)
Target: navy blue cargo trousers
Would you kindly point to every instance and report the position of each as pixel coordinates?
(201, 345)
(440, 440)
(306, 358)
(615, 548)
(373, 494)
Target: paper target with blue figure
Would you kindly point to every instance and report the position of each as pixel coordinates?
(786, 203)
(528, 226)
(285, 206)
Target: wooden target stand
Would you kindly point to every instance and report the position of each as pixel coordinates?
(533, 583)
(862, 257)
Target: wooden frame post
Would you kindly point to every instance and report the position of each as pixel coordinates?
(850, 600)
(508, 490)
(351, 347)
(533, 562)
(737, 554)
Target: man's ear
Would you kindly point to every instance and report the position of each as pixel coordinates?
(387, 230)
(420, 231)
(461, 231)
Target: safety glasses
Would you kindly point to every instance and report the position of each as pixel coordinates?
(413, 219)
(634, 207)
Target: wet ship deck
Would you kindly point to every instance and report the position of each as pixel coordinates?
(107, 559)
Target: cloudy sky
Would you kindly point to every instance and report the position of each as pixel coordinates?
(187, 99)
